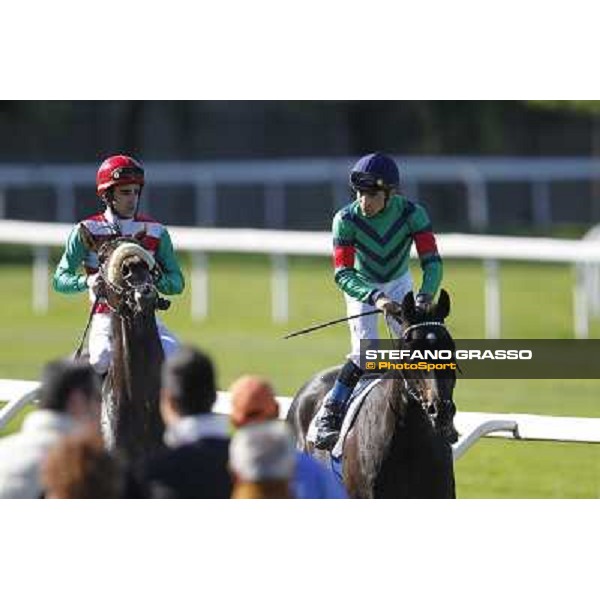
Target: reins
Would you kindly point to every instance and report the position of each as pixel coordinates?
(408, 389)
(87, 327)
(117, 290)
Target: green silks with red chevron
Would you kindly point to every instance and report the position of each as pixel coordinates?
(373, 250)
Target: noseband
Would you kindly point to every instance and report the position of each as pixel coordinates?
(423, 324)
(431, 409)
(123, 293)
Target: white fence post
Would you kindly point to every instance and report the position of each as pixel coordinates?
(592, 276)
(40, 279)
(492, 299)
(592, 286)
(484, 428)
(279, 288)
(580, 304)
(199, 287)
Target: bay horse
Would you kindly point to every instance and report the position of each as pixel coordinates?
(131, 421)
(394, 448)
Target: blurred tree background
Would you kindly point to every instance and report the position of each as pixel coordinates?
(85, 131)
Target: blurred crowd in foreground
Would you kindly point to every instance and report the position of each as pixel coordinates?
(60, 453)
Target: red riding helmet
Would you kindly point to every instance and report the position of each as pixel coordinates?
(118, 170)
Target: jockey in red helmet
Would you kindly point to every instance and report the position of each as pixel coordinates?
(119, 182)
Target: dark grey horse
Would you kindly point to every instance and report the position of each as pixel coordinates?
(394, 448)
(132, 425)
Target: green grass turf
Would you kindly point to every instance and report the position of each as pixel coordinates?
(241, 337)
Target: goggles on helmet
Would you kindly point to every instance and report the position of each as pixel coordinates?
(366, 181)
(121, 173)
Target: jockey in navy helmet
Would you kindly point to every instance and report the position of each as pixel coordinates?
(372, 238)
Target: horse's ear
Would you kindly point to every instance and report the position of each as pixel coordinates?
(88, 239)
(408, 307)
(442, 308)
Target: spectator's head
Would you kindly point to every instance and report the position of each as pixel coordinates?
(80, 467)
(188, 384)
(262, 459)
(73, 388)
(252, 401)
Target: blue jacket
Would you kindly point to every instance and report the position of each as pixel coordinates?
(313, 480)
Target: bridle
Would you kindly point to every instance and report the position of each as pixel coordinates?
(423, 324)
(430, 408)
(125, 306)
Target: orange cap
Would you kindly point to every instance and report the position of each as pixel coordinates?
(252, 401)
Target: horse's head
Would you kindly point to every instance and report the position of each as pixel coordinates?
(128, 271)
(426, 331)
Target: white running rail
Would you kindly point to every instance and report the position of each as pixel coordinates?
(582, 254)
(471, 425)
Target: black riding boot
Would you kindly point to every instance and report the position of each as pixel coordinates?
(330, 422)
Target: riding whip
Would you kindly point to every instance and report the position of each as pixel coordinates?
(315, 327)
(80, 348)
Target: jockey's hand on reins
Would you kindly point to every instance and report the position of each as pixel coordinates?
(156, 273)
(96, 284)
(389, 307)
(162, 303)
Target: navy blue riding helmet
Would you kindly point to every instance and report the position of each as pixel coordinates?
(374, 172)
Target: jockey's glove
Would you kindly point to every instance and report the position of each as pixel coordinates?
(423, 302)
(386, 305)
(95, 283)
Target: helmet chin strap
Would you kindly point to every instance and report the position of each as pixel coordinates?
(110, 202)
(117, 214)
(389, 192)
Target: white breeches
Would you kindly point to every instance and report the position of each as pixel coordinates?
(100, 341)
(365, 328)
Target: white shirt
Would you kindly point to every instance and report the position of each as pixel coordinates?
(22, 454)
(192, 428)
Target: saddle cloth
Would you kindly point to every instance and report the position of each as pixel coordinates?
(361, 391)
